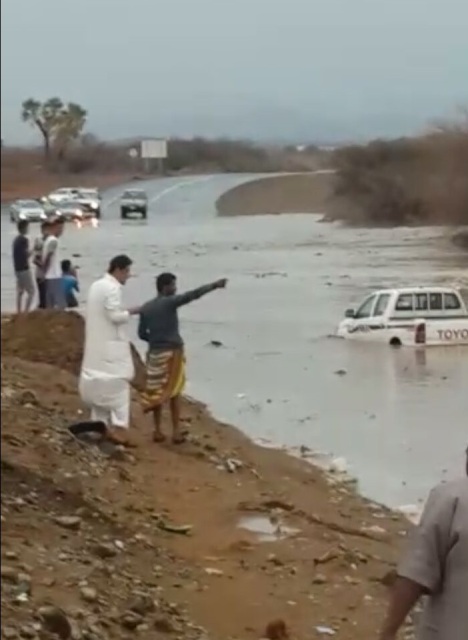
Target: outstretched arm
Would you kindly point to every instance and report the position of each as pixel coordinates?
(189, 296)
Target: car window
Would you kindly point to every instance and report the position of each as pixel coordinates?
(451, 301)
(435, 301)
(421, 302)
(382, 304)
(404, 302)
(365, 309)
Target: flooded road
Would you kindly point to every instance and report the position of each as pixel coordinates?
(400, 417)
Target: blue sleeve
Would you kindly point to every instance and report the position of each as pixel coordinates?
(143, 328)
(76, 284)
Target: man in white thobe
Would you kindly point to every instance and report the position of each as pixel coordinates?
(107, 368)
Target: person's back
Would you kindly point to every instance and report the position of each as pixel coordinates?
(106, 341)
(69, 284)
(20, 253)
(162, 322)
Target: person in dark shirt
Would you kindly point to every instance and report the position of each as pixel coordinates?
(70, 284)
(165, 363)
(23, 274)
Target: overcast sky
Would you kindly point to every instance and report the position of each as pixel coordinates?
(278, 69)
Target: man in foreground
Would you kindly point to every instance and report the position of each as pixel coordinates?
(165, 363)
(51, 266)
(24, 278)
(107, 368)
(436, 565)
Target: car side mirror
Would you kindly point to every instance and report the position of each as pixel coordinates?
(350, 313)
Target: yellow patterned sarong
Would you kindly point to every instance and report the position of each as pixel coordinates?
(165, 377)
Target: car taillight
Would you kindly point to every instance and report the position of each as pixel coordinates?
(420, 333)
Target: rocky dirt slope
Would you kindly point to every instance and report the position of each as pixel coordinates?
(148, 544)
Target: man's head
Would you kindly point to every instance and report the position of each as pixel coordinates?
(119, 267)
(66, 266)
(166, 284)
(56, 226)
(45, 228)
(23, 226)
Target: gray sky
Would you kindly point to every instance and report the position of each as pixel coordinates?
(277, 69)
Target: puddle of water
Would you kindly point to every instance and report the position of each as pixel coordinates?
(265, 529)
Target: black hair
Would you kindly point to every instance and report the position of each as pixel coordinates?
(66, 265)
(22, 226)
(119, 263)
(163, 280)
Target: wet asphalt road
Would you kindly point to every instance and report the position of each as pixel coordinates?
(400, 417)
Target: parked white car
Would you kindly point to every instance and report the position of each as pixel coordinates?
(30, 210)
(65, 194)
(411, 316)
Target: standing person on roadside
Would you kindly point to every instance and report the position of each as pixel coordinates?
(24, 278)
(55, 298)
(107, 368)
(37, 260)
(436, 566)
(165, 363)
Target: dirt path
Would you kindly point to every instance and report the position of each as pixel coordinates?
(98, 537)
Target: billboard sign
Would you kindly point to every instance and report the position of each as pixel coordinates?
(154, 148)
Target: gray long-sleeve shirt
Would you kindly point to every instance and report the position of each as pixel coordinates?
(159, 321)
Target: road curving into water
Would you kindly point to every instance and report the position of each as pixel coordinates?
(398, 416)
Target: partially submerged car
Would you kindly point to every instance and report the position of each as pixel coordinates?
(133, 202)
(410, 317)
(30, 210)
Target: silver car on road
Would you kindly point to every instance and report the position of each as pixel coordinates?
(30, 210)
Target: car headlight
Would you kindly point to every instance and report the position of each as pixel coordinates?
(22, 216)
(94, 205)
(43, 216)
(79, 212)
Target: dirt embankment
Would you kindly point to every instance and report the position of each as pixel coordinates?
(298, 193)
(149, 544)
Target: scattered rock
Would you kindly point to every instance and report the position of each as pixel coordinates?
(104, 550)
(56, 621)
(276, 630)
(130, 620)
(164, 625)
(69, 522)
(143, 604)
(88, 594)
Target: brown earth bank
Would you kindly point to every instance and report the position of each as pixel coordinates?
(105, 545)
(298, 193)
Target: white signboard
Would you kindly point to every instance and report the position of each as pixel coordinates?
(155, 148)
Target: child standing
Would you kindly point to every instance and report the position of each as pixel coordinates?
(70, 284)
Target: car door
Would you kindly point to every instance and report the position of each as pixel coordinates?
(360, 325)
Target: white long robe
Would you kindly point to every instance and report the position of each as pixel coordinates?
(107, 366)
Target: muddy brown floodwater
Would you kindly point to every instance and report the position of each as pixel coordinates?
(260, 354)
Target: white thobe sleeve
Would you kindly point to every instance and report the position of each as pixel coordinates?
(113, 306)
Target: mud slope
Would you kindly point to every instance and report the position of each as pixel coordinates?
(148, 544)
(299, 193)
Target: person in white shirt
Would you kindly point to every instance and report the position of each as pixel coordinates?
(107, 367)
(55, 298)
